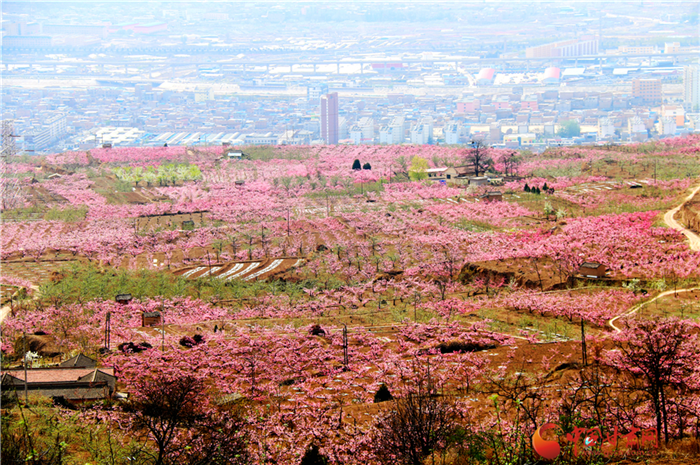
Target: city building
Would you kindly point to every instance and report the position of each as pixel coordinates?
(552, 75)
(422, 132)
(468, 105)
(637, 130)
(637, 50)
(485, 77)
(394, 133)
(329, 118)
(667, 126)
(675, 112)
(606, 128)
(648, 90)
(565, 48)
(260, 139)
(453, 133)
(26, 41)
(316, 90)
(363, 131)
(691, 88)
(672, 47)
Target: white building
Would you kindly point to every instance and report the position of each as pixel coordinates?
(356, 134)
(260, 139)
(606, 128)
(342, 127)
(453, 133)
(635, 124)
(667, 126)
(422, 132)
(363, 131)
(691, 88)
(57, 126)
(394, 133)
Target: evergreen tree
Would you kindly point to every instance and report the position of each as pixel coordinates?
(526, 188)
(545, 188)
(382, 394)
(356, 165)
(313, 457)
(367, 166)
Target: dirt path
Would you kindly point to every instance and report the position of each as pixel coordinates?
(694, 239)
(6, 309)
(694, 244)
(637, 307)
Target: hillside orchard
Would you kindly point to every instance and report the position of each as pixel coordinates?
(316, 313)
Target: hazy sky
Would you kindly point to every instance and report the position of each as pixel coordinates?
(349, 1)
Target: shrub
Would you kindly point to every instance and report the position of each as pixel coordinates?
(313, 457)
(316, 330)
(131, 348)
(189, 342)
(463, 346)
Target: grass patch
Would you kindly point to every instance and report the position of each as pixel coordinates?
(86, 282)
(68, 214)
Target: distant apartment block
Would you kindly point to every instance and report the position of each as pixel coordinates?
(672, 47)
(356, 134)
(394, 133)
(453, 133)
(363, 131)
(468, 105)
(342, 128)
(675, 112)
(637, 50)
(260, 139)
(565, 48)
(606, 128)
(329, 118)
(636, 129)
(649, 90)
(315, 91)
(691, 88)
(667, 126)
(26, 41)
(53, 129)
(529, 102)
(422, 132)
(100, 30)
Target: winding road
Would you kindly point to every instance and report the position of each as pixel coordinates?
(6, 309)
(693, 244)
(694, 239)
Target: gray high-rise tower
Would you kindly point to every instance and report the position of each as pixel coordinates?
(329, 118)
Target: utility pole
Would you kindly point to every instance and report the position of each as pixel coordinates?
(415, 305)
(162, 324)
(26, 383)
(108, 329)
(584, 354)
(345, 346)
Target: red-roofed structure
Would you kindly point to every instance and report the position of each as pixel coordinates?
(76, 384)
(551, 76)
(485, 76)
